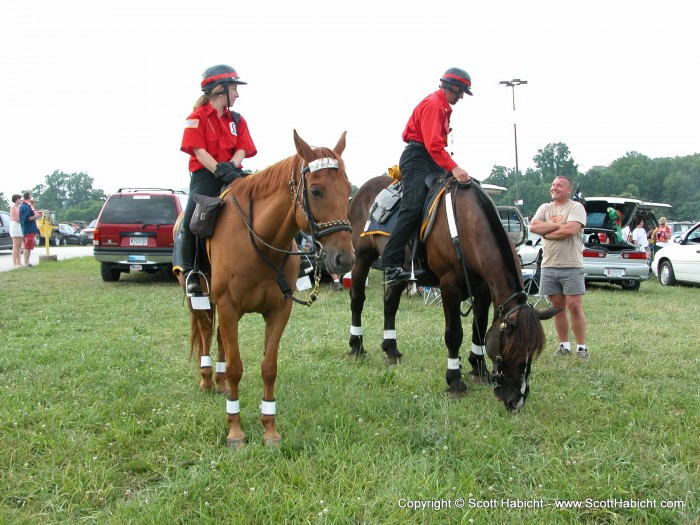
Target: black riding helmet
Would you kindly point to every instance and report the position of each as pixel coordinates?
(459, 78)
(221, 74)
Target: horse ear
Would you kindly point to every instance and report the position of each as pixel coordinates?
(548, 313)
(340, 147)
(303, 149)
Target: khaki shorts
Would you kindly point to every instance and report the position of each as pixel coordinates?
(562, 281)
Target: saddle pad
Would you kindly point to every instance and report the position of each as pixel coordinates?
(430, 206)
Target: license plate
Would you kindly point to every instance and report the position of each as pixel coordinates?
(614, 272)
(138, 241)
(135, 267)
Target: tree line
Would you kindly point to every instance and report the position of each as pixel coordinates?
(674, 181)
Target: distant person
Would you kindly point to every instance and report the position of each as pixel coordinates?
(639, 237)
(661, 235)
(16, 231)
(425, 153)
(337, 285)
(560, 224)
(27, 219)
(627, 234)
(217, 140)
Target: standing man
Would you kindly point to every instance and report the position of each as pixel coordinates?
(560, 223)
(27, 219)
(426, 138)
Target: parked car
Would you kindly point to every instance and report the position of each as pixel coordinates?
(89, 231)
(606, 259)
(679, 261)
(5, 239)
(134, 231)
(530, 250)
(54, 238)
(67, 235)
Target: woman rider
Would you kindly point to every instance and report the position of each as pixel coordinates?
(217, 141)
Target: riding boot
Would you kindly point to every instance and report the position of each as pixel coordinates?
(187, 251)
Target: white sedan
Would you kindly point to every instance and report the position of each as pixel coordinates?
(679, 261)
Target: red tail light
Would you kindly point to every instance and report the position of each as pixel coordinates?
(594, 253)
(96, 237)
(634, 255)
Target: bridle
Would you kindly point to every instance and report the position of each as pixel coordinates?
(300, 197)
(318, 230)
(497, 378)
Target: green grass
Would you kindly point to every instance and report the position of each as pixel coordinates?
(102, 421)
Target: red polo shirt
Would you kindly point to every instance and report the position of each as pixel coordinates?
(430, 124)
(220, 136)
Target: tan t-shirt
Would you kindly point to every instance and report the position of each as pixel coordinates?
(565, 253)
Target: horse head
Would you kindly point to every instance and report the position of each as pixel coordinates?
(513, 341)
(322, 192)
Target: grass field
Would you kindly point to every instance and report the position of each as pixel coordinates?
(102, 421)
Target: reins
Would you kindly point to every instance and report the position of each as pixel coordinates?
(318, 230)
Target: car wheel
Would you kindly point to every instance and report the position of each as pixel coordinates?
(666, 275)
(64, 241)
(108, 273)
(56, 240)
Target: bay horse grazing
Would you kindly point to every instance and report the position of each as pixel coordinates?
(252, 262)
(472, 257)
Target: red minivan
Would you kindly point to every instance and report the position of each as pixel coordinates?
(134, 231)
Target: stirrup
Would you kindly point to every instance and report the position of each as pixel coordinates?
(198, 300)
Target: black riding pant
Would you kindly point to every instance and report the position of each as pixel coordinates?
(202, 182)
(415, 164)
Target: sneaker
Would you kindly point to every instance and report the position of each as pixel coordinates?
(582, 353)
(337, 287)
(563, 351)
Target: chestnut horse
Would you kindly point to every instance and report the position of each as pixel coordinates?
(252, 256)
(471, 258)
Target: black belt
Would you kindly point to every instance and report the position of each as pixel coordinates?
(414, 143)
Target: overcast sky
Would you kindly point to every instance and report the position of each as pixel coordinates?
(104, 87)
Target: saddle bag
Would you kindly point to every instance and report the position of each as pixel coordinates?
(205, 214)
(386, 203)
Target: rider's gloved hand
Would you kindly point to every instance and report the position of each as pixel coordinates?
(227, 172)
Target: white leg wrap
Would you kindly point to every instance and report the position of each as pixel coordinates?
(355, 330)
(268, 408)
(205, 361)
(233, 407)
(478, 350)
(453, 364)
(221, 367)
(389, 334)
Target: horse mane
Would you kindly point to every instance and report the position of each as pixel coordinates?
(527, 329)
(268, 181)
(498, 232)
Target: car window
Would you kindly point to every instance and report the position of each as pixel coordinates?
(137, 209)
(5, 219)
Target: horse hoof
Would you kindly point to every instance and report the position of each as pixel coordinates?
(457, 389)
(392, 359)
(477, 379)
(236, 443)
(206, 386)
(357, 354)
(272, 441)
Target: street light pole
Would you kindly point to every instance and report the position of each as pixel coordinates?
(511, 84)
